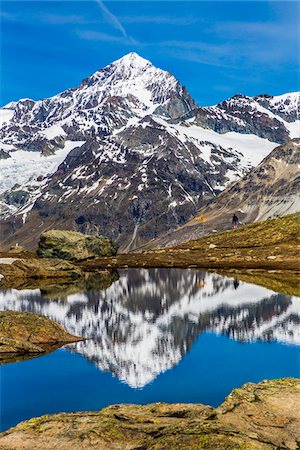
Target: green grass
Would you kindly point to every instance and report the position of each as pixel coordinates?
(283, 230)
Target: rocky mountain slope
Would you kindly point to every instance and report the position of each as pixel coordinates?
(271, 189)
(274, 118)
(147, 320)
(128, 153)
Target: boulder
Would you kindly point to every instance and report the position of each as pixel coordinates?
(23, 332)
(74, 246)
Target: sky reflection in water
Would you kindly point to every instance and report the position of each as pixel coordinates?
(154, 335)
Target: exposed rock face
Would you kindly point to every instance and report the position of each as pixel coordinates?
(121, 181)
(270, 190)
(264, 416)
(23, 332)
(74, 246)
(4, 154)
(264, 115)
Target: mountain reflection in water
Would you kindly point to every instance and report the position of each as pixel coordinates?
(148, 319)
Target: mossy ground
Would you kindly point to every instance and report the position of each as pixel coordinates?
(35, 268)
(272, 244)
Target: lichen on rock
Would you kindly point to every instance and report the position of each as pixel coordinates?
(74, 246)
(24, 332)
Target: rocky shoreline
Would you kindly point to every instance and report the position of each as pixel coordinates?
(266, 253)
(263, 416)
(24, 335)
(58, 276)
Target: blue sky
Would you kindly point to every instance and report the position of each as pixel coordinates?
(216, 49)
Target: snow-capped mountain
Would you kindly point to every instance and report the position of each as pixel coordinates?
(125, 153)
(275, 118)
(129, 88)
(147, 320)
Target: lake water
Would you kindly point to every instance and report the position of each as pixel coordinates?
(172, 335)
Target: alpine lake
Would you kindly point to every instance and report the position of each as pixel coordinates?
(152, 335)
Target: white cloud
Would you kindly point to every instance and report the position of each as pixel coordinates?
(166, 20)
(91, 35)
(57, 19)
(112, 18)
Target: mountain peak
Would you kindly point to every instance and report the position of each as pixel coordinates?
(133, 59)
(135, 77)
(129, 67)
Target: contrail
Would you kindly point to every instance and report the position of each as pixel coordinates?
(113, 19)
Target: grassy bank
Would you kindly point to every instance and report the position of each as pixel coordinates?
(270, 245)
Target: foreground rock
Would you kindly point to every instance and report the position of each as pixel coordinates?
(13, 269)
(74, 246)
(264, 416)
(23, 333)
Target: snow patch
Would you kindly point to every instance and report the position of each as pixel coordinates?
(6, 115)
(23, 166)
(53, 132)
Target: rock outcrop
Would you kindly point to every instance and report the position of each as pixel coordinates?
(27, 333)
(264, 416)
(263, 115)
(13, 269)
(74, 246)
